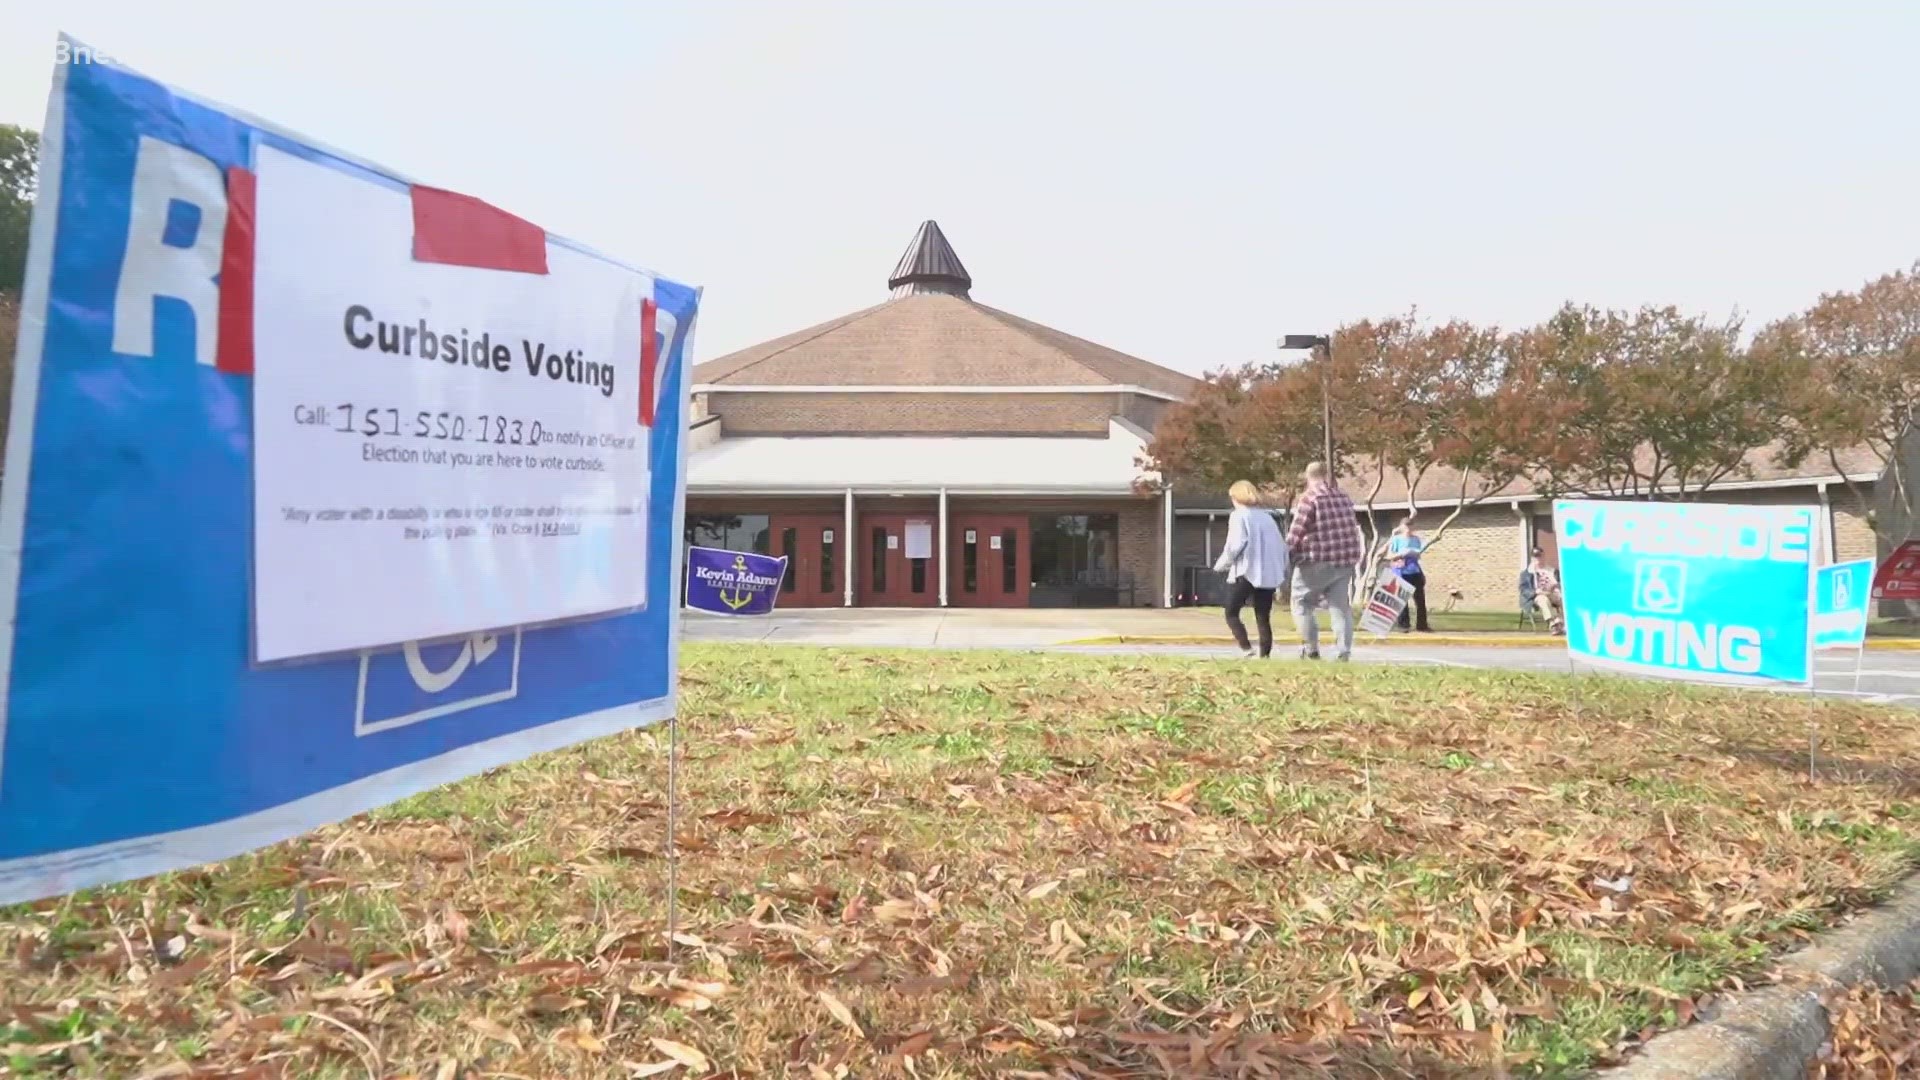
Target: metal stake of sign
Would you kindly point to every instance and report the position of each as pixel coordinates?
(1859, 661)
(673, 828)
(1813, 679)
(1813, 727)
(1573, 673)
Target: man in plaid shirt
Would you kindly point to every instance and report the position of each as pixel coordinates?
(1325, 542)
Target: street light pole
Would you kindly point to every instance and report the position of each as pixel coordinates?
(1326, 400)
(1322, 346)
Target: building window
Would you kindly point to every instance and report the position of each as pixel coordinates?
(790, 547)
(879, 558)
(826, 560)
(1076, 561)
(1009, 561)
(970, 562)
(918, 575)
(729, 532)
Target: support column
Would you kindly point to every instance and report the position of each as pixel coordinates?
(943, 547)
(851, 547)
(1166, 552)
(1826, 513)
(1526, 534)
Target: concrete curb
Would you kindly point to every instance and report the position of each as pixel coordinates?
(1487, 641)
(1777, 1031)
(1541, 641)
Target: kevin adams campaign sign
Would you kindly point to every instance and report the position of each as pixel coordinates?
(322, 487)
(1696, 591)
(733, 582)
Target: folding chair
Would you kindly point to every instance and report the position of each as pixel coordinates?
(1529, 615)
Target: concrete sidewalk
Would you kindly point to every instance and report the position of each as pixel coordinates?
(928, 628)
(1026, 628)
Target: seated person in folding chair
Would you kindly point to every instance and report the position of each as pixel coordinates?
(1540, 590)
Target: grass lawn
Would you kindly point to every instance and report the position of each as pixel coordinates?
(976, 864)
(1893, 628)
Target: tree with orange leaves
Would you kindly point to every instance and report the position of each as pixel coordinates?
(1851, 364)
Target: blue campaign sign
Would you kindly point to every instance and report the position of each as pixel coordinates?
(137, 735)
(1841, 595)
(733, 582)
(1699, 591)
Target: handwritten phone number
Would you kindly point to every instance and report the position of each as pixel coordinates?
(440, 426)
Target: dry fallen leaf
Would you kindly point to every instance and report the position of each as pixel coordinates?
(581, 1035)
(1043, 889)
(841, 1013)
(896, 911)
(456, 925)
(684, 1054)
(495, 1031)
(915, 1044)
(553, 1004)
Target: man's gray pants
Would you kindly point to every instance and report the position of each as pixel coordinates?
(1333, 583)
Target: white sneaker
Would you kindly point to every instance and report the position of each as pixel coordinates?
(1248, 654)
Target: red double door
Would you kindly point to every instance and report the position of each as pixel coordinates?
(899, 560)
(816, 561)
(992, 561)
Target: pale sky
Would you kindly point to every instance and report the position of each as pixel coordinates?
(1185, 182)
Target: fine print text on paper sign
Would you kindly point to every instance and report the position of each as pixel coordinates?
(440, 449)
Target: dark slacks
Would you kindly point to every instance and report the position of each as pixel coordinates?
(1237, 597)
(1418, 608)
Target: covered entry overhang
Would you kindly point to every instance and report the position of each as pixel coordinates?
(936, 468)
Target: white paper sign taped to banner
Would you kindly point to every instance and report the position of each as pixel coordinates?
(439, 449)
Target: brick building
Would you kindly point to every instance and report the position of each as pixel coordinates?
(933, 451)
(1482, 551)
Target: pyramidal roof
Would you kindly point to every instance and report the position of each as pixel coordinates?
(932, 333)
(929, 266)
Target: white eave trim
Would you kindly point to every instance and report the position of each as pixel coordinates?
(1731, 485)
(1518, 500)
(798, 388)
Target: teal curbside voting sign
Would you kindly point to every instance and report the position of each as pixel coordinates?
(1841, 593)
(1697, 591)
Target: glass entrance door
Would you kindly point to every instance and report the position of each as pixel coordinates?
(992, 562)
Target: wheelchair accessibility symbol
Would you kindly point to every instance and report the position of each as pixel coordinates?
(1660, 586)
(422, 681)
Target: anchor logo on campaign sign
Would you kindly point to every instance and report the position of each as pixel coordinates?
(724, 582)
(1660, 586)
(1842, 596)
(741, 596)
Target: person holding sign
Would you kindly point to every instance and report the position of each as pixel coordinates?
(1325, 538)
(1404, 552)
(1255, 562)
